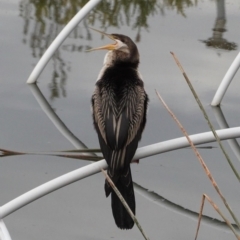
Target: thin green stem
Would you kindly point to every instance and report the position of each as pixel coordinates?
(206, 117)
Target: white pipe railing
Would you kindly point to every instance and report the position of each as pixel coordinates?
(226, 81)
(59, 40)
(93, 168)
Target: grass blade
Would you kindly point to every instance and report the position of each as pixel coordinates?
(219, 212)
(201, 161)
(66, 154)
(206, 116)
(124, 203)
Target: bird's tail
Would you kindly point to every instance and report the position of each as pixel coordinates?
(125, 186)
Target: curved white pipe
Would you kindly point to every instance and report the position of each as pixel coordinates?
(226, 81)
(93, 168)
(59, 40)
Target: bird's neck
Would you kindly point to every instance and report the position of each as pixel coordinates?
(110, 60)
(119, 60)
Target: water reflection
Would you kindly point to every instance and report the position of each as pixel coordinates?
(222, 122)
(59, 76)
(174, 207)
(217, 40)
(43, 20)
(78, 144)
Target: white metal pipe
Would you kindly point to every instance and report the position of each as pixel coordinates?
(51, 186)
(59, 40)
(93, 168)
(226, 81)
(4, 234)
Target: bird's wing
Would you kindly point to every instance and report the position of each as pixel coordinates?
(98, 99)
(111, 122)
(119, 123)
(136, 112)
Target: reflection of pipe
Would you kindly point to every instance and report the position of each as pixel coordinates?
(223, 124)
(219, 27)
(217, 41)
(221, 9)
(165, 203)
(60, 38)
(93, 168)
(54, 118)
(4, 234)
(226, 81)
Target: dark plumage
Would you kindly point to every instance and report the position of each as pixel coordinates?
(119, 106)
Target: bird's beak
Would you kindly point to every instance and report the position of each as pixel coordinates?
(106, 47)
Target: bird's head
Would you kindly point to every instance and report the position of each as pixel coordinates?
(123, 49)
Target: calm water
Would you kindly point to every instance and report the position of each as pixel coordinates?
(81, 211)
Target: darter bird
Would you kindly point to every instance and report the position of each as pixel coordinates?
(119, 105)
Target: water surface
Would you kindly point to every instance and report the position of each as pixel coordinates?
(81, 211)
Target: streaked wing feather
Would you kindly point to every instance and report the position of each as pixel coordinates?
(138, 113)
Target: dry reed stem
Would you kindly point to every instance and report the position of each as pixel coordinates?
(199, 158)
(200, 216)
(219, 212)
(206, 116)
(7, 153)
(215, 135)
(124, 204)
